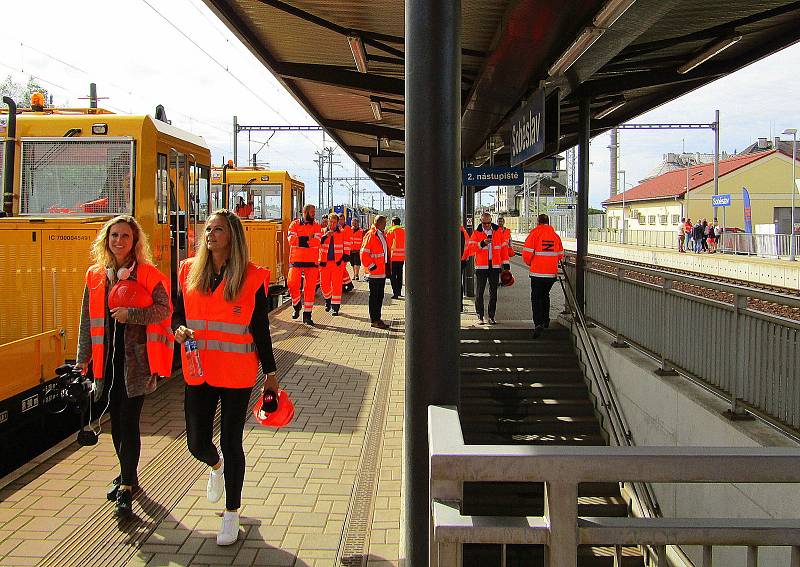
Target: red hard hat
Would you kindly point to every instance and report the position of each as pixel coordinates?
(506, 278)
(280, 417)
(129, 293)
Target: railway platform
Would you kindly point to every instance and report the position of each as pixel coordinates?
(324, 490)
(764, 271)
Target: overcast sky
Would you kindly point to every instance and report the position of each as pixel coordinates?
(138, 53)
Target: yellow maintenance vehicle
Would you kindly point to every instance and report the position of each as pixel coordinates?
(266, 201)
(64, 173)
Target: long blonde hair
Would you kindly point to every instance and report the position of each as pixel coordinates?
(101, 253)
(202, 271)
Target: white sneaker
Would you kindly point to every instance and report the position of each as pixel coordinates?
(216, 484)
(229, 531)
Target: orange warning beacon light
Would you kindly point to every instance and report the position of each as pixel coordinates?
(283, 415)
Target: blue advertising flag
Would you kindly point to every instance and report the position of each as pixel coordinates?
(748, 214)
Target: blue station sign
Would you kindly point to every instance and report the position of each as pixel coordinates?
(492, 176)
(528, 129)
(721, 200)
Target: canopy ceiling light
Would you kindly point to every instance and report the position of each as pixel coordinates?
(707, 54)
(611, 12)
(606, 111)
(359, 53)
(587, 38)
(376, 108)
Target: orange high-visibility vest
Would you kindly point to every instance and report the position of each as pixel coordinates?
(374, 254)
(348, 237)
(356, 240)
(396, 239)
(341, 245)
(542, 251)
(481, 253)
(301, 256)
(222, 330)
(160, 340)
(508, 251)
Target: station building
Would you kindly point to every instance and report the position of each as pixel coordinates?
(659, 203)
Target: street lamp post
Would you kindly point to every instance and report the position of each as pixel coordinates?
(624, 188)
(792, 244)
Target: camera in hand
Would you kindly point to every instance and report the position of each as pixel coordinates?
(73, 389)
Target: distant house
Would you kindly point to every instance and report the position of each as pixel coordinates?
(659, 203)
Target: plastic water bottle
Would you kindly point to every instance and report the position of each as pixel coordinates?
(193, 358)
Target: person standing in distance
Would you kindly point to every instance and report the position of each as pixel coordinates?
(508, 250)
(374, 256)
(355, 247)
(129, 346)
(542, 252)
(222, 305)
(347, 283)
(303, 235)
(487, 245)
(396, 238)
(334, 247)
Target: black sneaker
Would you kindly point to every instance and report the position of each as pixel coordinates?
(113, 488)
(307, 319)
(348, 288)
(335, 311)
(296, 313)
(124, 507)
(327, 305)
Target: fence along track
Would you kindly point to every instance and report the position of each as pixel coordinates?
(169, 476)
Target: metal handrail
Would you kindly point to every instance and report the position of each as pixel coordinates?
(620, 429)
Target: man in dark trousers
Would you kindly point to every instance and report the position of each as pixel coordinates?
(375, 258)
(487, 245)
(396, 239)
(542, 252)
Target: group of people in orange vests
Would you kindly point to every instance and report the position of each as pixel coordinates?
(490, 245)
(320, 251)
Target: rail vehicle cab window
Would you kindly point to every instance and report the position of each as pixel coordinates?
(253, 201)
(77, 176)
(297, 202)
(203, 191)
(198, 192)
(216, 197)
(162, 190)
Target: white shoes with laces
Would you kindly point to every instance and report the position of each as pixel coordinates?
(229, 531)
(216, 484)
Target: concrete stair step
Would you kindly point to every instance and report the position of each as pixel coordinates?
(494, 438)
(526, 407)
(529, 360)
(514, 346)
(530, 375)
(539, 425)
(555, 332)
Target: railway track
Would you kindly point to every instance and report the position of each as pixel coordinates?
(774, 308)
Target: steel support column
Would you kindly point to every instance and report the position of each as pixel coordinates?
(433, 182)
(582, 212)
(469, 223)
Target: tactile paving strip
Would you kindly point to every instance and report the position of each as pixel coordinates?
(352, 546)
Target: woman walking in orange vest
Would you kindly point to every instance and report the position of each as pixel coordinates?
(128, 347)
(222, 307)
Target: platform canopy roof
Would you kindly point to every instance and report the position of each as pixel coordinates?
(343, 62)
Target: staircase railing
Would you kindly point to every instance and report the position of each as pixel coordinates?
(596, 370)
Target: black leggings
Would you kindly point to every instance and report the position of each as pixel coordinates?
(125, 412)
(200, 406)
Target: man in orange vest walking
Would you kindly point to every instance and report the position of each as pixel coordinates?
(304, 238)
(334, 248)
(487, 245)
(396, 238)
(375, 256)
(505, 234)
(347, 283)
(355, 247)
(542, 252)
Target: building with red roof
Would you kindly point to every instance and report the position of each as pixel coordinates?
(659, 203)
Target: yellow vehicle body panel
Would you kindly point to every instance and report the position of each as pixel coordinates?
(28, 362)
(44, 258)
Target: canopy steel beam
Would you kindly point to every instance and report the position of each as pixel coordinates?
(340, 77)
(363, 128)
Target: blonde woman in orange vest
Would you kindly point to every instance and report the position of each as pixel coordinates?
(127, 347)
(222, 306)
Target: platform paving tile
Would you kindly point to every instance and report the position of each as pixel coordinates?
(299, 480)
